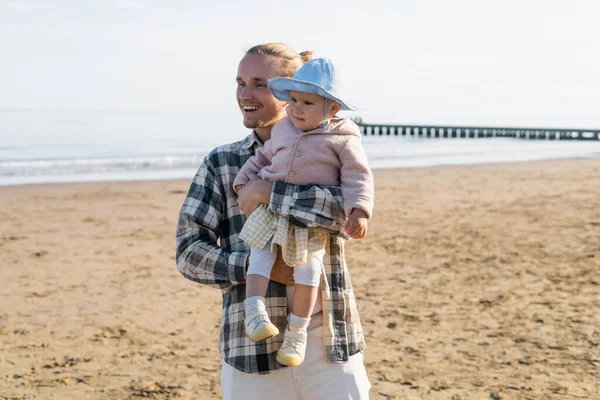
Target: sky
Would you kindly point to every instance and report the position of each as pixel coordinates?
(512, 63)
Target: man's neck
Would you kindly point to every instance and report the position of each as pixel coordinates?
(264, 133)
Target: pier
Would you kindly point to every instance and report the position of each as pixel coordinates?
(473, 132)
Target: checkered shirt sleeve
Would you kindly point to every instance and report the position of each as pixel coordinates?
(310, 206)
(203, 219)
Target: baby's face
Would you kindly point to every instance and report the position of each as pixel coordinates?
(306, 110)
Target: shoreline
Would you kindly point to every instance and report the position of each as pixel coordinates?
(383, 169)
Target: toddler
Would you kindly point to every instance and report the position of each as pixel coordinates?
(311, 146)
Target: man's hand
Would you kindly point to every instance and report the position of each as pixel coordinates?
(282, 272)
(254, 194)
(356, 226)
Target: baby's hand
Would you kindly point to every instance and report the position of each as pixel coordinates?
(356, 226)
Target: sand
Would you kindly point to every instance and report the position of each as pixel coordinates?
(474, 282)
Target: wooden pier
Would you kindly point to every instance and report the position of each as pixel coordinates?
(436, 131)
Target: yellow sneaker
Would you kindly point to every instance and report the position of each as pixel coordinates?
(259, 326)
(293, 349)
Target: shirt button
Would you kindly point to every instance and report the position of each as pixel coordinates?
(281, 313)
(278, 209)
(303, 137)
(297, 154)
(292, 173)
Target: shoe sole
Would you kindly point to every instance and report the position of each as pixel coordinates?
(287, 362)
(266, 334)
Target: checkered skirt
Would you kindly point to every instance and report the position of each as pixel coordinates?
(297, 244)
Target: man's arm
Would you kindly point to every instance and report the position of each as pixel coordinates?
(306, 205)
(199, 257)
(310, 205)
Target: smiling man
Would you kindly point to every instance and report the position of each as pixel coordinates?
(209, 251)
(259, 108)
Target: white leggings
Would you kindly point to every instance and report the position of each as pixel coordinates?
(262, 261)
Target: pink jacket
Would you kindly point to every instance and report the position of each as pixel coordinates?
(332, 155)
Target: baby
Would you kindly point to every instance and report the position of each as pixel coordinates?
(311, 146)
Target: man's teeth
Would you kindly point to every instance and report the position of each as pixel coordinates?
(250, 108)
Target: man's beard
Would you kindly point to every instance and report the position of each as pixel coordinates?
(255, 124)
(263, 122)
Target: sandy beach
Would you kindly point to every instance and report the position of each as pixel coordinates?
(474, 282)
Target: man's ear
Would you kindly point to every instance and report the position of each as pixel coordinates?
(335, 107)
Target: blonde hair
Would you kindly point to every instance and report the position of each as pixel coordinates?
(289, 60)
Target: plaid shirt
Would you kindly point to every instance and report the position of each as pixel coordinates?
(210, 252)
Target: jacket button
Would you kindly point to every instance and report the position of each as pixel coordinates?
(303, 137)
(297, 154)
(292, 173)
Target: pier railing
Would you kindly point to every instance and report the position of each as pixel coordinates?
(436, 131)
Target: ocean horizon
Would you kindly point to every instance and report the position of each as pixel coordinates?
(51, 146)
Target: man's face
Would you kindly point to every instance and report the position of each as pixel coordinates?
(306, 110)
(260, 109)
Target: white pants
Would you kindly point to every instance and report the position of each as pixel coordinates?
(262, 260)
(314, 379)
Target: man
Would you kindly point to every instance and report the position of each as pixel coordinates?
(210, 252)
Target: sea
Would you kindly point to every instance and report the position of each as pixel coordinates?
(51, 146)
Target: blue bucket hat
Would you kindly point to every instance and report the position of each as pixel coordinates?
(319, 76)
